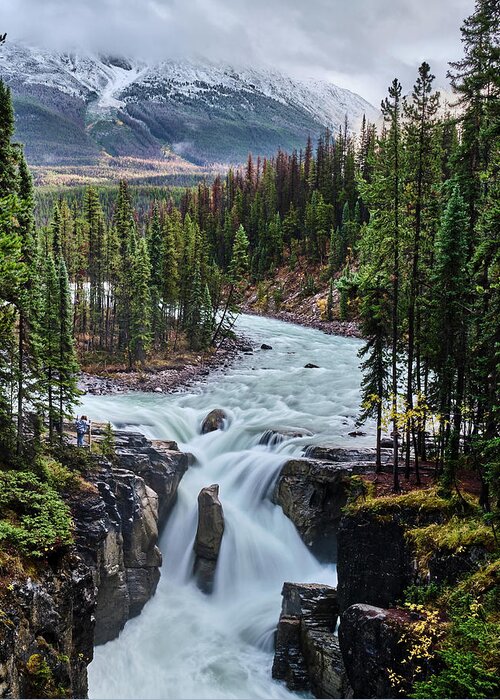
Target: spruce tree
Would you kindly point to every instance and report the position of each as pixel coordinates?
(422, 176)
(8, 160)
(450, 289)
(140, 303)
(67, 365)
(375, 313)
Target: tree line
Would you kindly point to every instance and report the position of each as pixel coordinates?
(402, 221)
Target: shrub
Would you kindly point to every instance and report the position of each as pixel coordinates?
(57, 475)
(33, 517)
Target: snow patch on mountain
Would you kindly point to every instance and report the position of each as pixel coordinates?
(108, 83)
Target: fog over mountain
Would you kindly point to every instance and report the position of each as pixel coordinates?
(358, 45)
(74, 107)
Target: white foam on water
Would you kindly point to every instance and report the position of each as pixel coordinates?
(189, 645)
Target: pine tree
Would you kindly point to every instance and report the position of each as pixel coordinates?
(450, 288)
(376, 326)
(422, 182)
(8, 160)
(67, 365)
(29, 305)
(50, 340)
(155, 253)
(140, 303)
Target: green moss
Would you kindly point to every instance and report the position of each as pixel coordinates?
(422, 501)
(360, 490)
(453, 536)
(41, 679)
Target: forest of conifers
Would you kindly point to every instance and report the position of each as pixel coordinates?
(402, 221)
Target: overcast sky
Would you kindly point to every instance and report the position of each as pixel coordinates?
(358, 44)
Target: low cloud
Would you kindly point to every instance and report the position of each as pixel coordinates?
(360, 44)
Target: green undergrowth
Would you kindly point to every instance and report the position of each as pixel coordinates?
(452, 536)
(35, 519)
(422, 500)
(466, 661)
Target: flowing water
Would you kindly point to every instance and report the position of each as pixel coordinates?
(186, 644)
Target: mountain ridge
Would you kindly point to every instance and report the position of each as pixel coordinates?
(72, 108)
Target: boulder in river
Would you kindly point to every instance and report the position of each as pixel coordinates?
(214, 421)
(310, 365)
(208, 537)
(264, 346)
(274, 436)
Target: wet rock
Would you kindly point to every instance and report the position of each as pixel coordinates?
(330, 453)
(246, 349)
(307, 655)
(275, 436)
(387, 442)
(208, 537)
(311, 366)
(371, 642)
(119, 535)
(264, 346)
(374, 563)
(48, 620)
(214, 421)
(356, 433)
(314, 490)
(159, 390)
(313, 493)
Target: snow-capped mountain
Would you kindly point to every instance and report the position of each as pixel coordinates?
(72, 106)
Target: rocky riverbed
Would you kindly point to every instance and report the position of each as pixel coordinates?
(163, 379)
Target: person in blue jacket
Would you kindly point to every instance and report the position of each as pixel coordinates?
(82, 426)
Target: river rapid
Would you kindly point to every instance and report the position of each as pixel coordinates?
(186, 644)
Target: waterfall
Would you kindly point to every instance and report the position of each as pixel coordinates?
(189, 645)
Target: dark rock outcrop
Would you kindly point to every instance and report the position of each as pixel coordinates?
(86, 594)
(374, 563)
(310, 365)
(265, 346)
(307, 655)
(208, 537)
(313, 492)
(47, 633)
(363, 455)
(137, 493)
(370, 639)
(214, 421)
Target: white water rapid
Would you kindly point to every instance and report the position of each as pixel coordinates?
(186, 644)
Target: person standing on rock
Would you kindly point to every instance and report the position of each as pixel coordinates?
(82, 426)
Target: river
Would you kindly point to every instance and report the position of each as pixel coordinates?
(186, 644)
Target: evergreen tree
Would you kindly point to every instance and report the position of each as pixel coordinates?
(376, 326)
(8, 160)
(140, 303)
(450, 288)
(422, 183)
(67, 365)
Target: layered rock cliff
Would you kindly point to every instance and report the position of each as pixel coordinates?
(307, 656)
(387, 547)
(83, 597)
